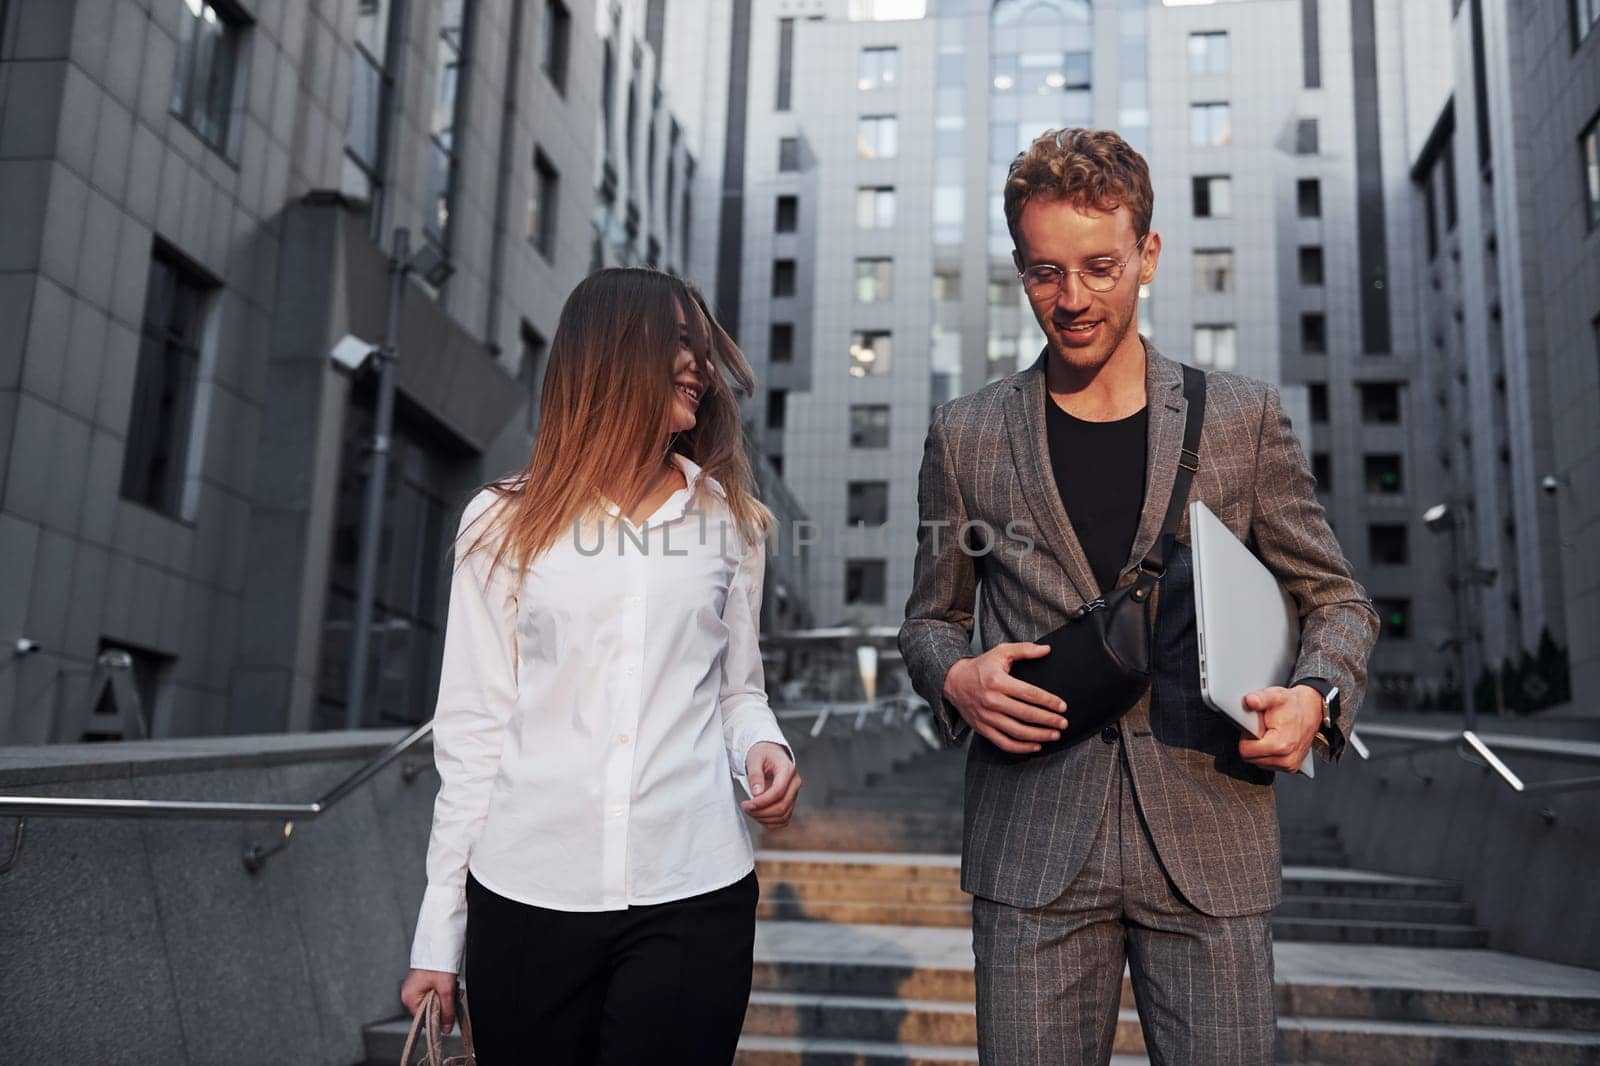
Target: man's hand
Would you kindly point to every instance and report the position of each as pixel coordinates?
(774, 784)
(1012, 715)
(1290, 718)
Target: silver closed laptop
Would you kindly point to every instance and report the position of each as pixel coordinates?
(1249, 628)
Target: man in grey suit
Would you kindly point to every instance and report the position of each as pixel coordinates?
(1155, 843)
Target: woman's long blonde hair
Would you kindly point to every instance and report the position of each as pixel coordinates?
(604, 427)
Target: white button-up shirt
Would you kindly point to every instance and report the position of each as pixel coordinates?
(592, 717)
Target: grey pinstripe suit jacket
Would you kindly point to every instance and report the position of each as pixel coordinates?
(1030, 819)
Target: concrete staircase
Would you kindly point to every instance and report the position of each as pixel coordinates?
(864, 954)
(864, 951)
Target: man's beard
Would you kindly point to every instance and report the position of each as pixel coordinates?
(1114, 327)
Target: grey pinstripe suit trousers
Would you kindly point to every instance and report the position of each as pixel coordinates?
(1050, 978)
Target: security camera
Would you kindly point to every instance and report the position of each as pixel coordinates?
(1550, 484)
(24, 646)
(351, 352)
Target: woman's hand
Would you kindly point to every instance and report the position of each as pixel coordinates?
(416, 987)
(774, 784)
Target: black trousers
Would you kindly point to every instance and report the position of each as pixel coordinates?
(666, 984)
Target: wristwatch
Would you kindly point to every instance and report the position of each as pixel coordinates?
(1329, 741)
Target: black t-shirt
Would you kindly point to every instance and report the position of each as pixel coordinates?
(1099, 471)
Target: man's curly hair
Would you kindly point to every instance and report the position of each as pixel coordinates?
(1088, 168)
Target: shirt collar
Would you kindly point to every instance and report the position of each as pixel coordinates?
(675, 504)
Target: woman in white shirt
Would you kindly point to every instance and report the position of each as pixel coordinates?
(601, 691)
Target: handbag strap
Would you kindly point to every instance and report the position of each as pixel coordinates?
(427, 1022)
(1154, 564)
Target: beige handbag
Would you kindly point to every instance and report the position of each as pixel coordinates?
(427, 1022)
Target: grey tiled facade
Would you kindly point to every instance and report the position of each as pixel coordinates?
(229, 580)
(1511, 327)
(957, 317)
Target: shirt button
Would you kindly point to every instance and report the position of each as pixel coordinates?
(623, 739)
(628, 670)
(634, 601)
(616, 812)
(1109, 734)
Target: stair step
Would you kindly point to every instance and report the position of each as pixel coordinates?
(887, 1020)
(805, 1051)
(1441, 912)
(1522, 1010)
(879, 1018)
(941, 915)
(1328, 881)
(938, 867)
(865, 889)
(1397, 985)
(1382, 1043)
(1408, 934)
(927, 982)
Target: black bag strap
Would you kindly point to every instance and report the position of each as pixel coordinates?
(1194, 390)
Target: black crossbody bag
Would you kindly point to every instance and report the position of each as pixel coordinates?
(1099, 661)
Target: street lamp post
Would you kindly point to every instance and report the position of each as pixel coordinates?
(1440, 518)
(435, 269)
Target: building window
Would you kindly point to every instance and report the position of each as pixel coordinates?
(877, 137)
(402, 660)
(1322, 471)
(1213, 196)
(777, 405)
(542, 201)
(867, 503)
(1387, 544)
(879, 68)
(783, 277)
(869, 425)
(1311, 264)
(450, 67)
(1208, 53)
(946, 285)
(1317, 397)
(208, 61)
(1590, 147)
(788, 154)
(1209, 125)
(1214, 347)
(1383, 475)
(531, 373)
(1305, 137)
(785, 62)
(1380, 402)
(371, 100)
(1430, 211)
(780, 342)
(608, 96)
(870, 352)
(555, 38)
(875, 207)
(1395, 615)
(864, 582)
(1585, 16)
(1308, 198)
(1314, 333)
(1213, 269)
(160, 421)
(787, 214)
(874, 280)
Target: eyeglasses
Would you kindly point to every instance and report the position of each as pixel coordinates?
(1044, 281)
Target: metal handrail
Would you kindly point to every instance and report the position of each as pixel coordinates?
(822, 713)
(1416, 739)
(25, 807)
